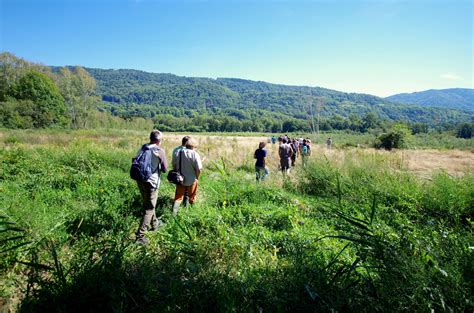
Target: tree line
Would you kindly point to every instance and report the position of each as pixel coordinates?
(37, 96)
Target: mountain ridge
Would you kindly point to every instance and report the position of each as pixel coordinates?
(130, 92)
(451, 98)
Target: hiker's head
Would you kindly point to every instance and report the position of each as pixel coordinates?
(156, 136)
(185, 140)
(191, 143)
(262, 144)
(284, 140)
(304, 140)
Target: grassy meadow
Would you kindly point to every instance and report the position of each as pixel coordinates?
(356, 230)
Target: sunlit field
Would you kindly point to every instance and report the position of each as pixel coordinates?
(358, 229)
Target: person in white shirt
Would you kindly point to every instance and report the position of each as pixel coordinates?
(189, 163)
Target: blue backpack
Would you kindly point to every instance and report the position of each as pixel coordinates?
(305, 150)
(141, 169)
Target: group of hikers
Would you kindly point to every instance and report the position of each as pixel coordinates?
(151, 162)
(288, 151)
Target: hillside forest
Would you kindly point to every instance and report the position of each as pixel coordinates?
(38, 96)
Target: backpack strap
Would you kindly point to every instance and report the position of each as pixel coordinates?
(179, 168)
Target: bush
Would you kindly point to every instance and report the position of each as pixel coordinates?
(397, 138)
(465, 130)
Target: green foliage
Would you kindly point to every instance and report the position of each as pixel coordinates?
(340, 238)
(39, 101)
(398, 137)
(226, 104)
(465, 130)
(176, 103)
(419, 128)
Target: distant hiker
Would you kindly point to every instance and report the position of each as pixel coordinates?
(261, 171)
(295, 147)
(285, 152)
(189, 163)
(329, 143)
(305, 152)
(274, 140)
(149, 163)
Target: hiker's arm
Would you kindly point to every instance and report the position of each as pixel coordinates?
(198, 167)
(164, 162)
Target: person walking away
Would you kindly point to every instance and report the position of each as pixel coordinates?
(261, 171)
(149, 187)
(285, 152)
(305, 152)
(294, 147)
(184, 140)
(329, 143)
(190, 166)
(183, 146)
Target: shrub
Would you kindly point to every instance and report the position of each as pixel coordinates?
(397, 138)
(465, 130)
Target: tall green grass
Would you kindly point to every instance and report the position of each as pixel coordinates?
(350, 237)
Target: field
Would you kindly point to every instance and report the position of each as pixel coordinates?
(357, 230)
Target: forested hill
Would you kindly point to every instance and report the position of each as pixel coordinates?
(138, 93)
(455, 98)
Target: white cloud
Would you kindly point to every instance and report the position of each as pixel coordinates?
(451, 76)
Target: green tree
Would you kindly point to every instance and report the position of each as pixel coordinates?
(419, 128)
(49, 108)
(78, 89)
(369, 121)
(465, 130)
(398, 137)
(11, 69)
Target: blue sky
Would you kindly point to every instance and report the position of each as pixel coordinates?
(376, 47)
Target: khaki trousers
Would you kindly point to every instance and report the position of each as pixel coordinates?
(149, 197)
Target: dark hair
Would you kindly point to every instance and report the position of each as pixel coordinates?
(284, 140)
(156, 135)
(185, 140)
(191, 143)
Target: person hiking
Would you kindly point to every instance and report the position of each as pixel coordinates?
(329, 143)
(183, 146)
(189, 163)
(174, 154)
(149, 187)
(285, 152)
(261, 171)
(295, 147)
(305, 152)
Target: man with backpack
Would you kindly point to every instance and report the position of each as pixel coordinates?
(147, 166)
(285, 151)
(295, 147)
(305, 151)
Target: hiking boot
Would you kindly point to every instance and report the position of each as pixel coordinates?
(157, 225)
(176, 206)
(142, 241)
